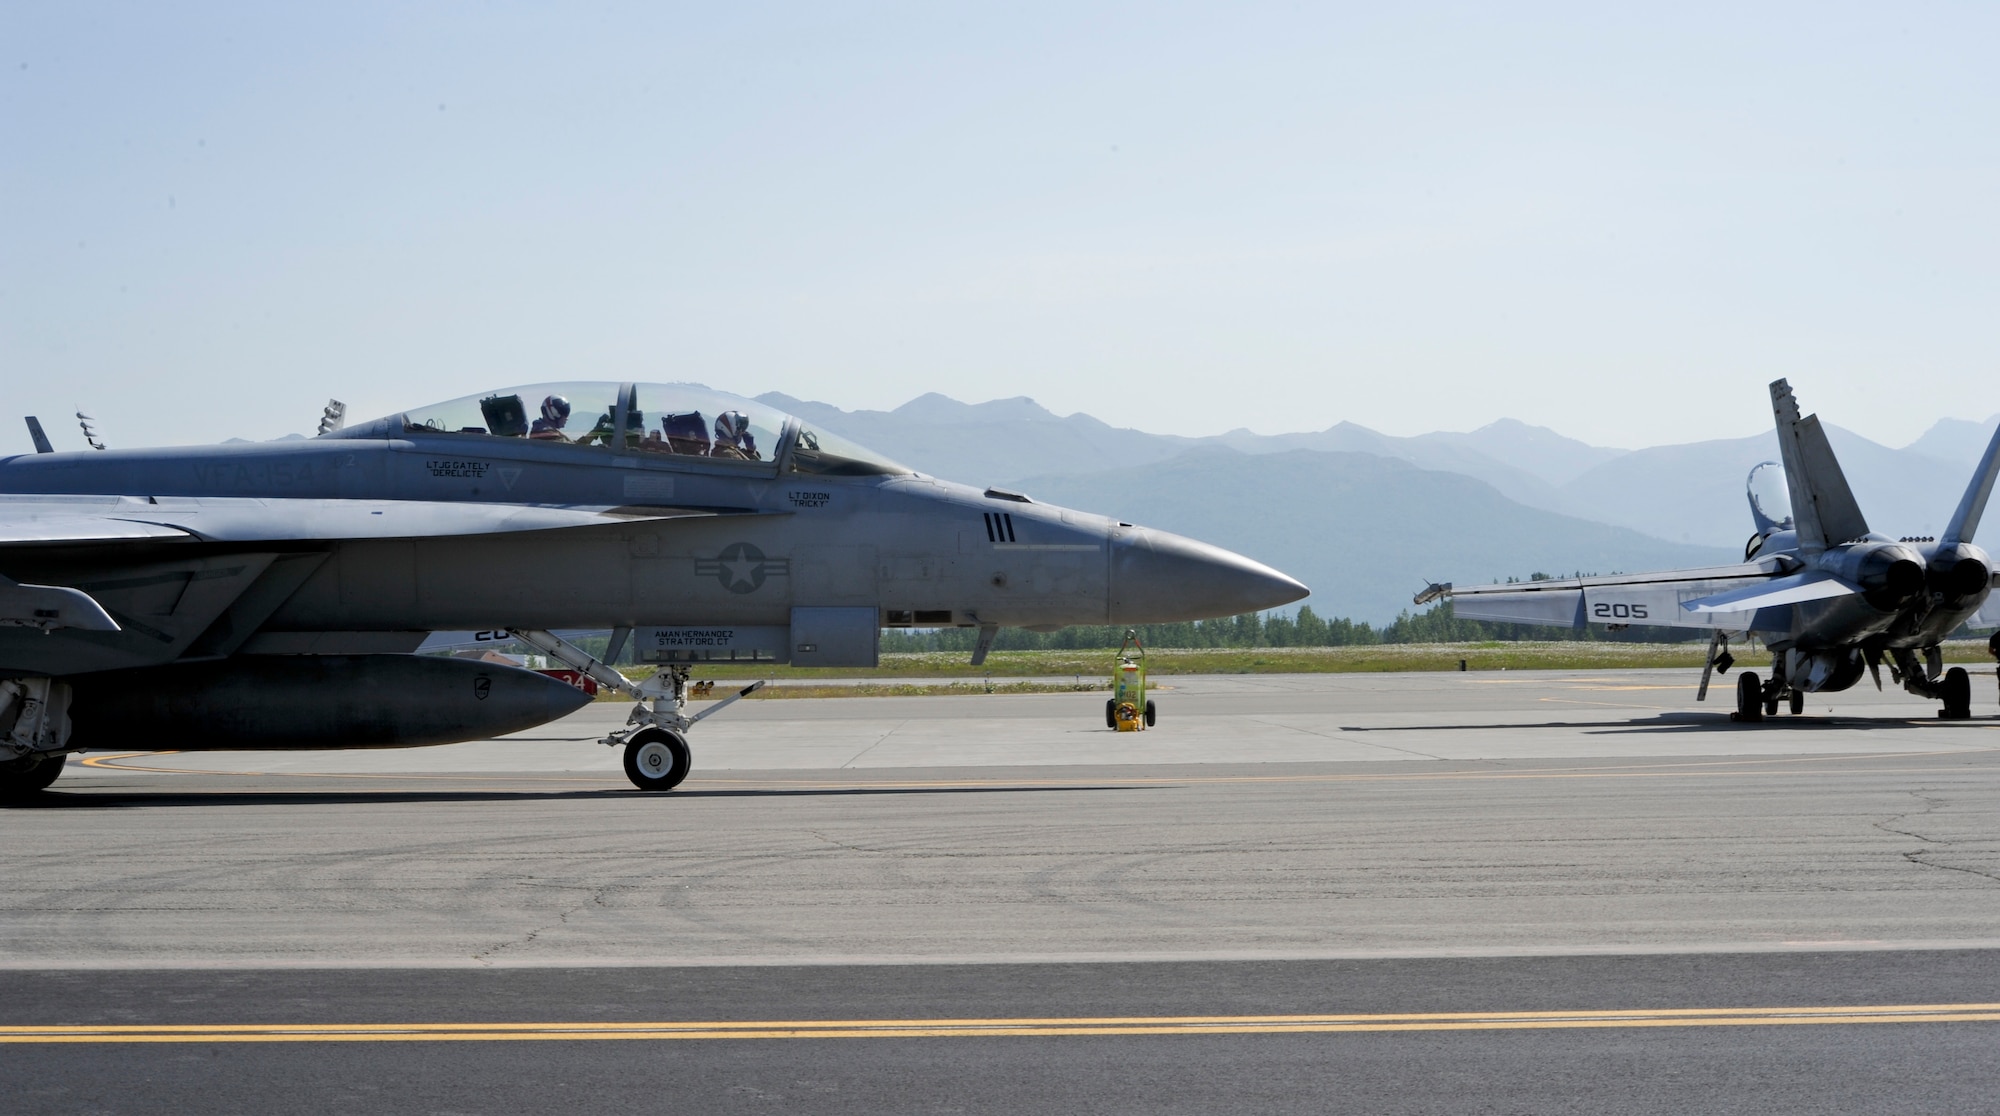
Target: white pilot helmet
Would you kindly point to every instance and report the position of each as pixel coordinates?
(731, 426)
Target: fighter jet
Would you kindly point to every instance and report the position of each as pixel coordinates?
(1828, 597)
(267, 595)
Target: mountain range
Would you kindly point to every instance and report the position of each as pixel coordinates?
(1688, 493)
(1365, 518)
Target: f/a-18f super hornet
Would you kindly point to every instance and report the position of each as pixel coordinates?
(1827, 596)
(268, 594)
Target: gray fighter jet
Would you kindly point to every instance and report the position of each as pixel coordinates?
(1827, 596)
(268, 595)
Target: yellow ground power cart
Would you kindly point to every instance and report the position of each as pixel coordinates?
(1129, 710)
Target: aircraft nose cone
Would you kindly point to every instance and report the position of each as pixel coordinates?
(1158, 578)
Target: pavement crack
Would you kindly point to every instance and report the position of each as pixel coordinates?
(594, 899)
(1934, 845)
(879, 741)
(840, 844)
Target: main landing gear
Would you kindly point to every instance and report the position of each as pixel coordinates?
(28, 776)
(1750, 698)
(657, 756)
(1756, 701)
(1929, 679)
(1955, 690)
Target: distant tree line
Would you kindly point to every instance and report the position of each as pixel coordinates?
(1305, 629)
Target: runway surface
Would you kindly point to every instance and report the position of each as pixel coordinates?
(1266, 904)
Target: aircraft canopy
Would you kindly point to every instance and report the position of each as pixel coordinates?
(685, 420)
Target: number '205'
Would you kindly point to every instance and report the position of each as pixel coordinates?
(1619, 611)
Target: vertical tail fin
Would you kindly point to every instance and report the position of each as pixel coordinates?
(1823, 508)
(1965, 520)
(40, 437)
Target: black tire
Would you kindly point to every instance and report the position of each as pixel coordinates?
(1151, 713)
(1111, 713)
(1749, 697)
(1956, 690)
(1798, 702)
(657, 759)
(25, 778)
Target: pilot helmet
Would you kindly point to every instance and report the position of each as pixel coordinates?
(555, 409)
(731, 426)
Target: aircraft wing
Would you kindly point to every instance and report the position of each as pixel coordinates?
(1708, 597)
(30, 520)
(109, 523)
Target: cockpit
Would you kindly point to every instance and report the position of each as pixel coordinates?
(664, 420)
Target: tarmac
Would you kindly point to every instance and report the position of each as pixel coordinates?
(1534, 891)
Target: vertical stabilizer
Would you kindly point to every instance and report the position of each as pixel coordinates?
(1823, 508)
(1965, 520)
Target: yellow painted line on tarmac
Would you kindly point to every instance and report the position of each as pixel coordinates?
(988, 1028)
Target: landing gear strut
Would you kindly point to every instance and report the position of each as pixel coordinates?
(1951, 687)
(657, 756)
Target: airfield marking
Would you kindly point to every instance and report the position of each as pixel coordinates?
(1599, 704)
(987, 1028)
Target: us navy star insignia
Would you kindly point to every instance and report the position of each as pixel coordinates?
(742, 568)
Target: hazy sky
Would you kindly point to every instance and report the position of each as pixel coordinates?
(1615, 221)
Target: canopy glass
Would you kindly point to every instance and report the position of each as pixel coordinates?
(678, 420)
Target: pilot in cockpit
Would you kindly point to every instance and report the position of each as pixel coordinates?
(555, 415)
(733, 437)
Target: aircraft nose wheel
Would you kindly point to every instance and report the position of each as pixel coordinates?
(657, 759)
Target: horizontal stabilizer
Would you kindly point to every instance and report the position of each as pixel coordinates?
(1811, 586)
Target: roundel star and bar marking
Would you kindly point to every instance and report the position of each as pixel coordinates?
(742, 568)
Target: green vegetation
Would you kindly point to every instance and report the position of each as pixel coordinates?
(1008, 671)
(1306, 629)
(1248, 644)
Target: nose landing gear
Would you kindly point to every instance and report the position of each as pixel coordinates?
(657, 759)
